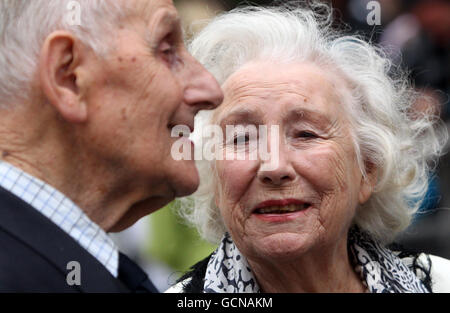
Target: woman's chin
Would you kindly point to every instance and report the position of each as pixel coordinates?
(283, 247)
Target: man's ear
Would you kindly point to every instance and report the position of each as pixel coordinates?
(368, 183)
(61, 55)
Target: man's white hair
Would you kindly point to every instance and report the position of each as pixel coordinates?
(387, 135)
(24, 25)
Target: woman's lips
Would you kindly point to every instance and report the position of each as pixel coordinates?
(279, 202)
(279, 218)
(280, 210)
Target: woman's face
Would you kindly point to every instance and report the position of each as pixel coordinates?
(308, 201)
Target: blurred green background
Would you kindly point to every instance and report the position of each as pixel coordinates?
(173, 243)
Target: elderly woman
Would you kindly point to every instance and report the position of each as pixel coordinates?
(352, 162)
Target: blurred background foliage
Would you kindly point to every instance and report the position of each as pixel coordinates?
(173, 242)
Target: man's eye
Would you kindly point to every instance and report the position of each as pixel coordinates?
(167, 52)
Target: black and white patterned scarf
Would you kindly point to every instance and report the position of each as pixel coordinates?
(381, 270)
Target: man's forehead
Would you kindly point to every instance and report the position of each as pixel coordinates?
(148, 8)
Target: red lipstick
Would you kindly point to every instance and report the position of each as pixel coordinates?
(282, 215)
(282, 202)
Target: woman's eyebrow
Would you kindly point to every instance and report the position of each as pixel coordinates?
(242, 116)
(301, 114)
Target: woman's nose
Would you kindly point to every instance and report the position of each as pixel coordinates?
(284, 173)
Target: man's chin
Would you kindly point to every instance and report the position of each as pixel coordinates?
(140, 210)
(185, 181)
(187, 188)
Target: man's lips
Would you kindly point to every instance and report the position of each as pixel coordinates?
(190, 125)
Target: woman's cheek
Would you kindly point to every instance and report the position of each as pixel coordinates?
(330, 172)
(324, 167)
(235, 177)
(314, 168)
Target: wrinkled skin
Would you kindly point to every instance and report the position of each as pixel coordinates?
(149, 84)
(317, 164)
(98, 128)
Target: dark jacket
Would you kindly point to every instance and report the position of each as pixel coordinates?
(195, 277)
(34, 254)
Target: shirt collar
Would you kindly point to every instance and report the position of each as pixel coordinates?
(63, 213)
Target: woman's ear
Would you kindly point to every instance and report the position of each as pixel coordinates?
(61, 56)
(368, 183)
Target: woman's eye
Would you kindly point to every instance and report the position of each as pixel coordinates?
(306, 134)
(241, 139)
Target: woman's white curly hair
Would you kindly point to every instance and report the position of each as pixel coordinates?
(401, 145)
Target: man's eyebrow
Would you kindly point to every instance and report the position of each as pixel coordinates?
(167, 22)
(241, 116)
(171, 19)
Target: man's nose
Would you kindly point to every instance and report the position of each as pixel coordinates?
(202, 90)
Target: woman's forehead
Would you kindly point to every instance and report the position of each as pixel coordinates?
(259, 86)
(284, 75)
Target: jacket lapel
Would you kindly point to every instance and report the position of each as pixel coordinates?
(52, 243)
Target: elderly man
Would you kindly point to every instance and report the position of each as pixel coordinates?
(86, 113)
